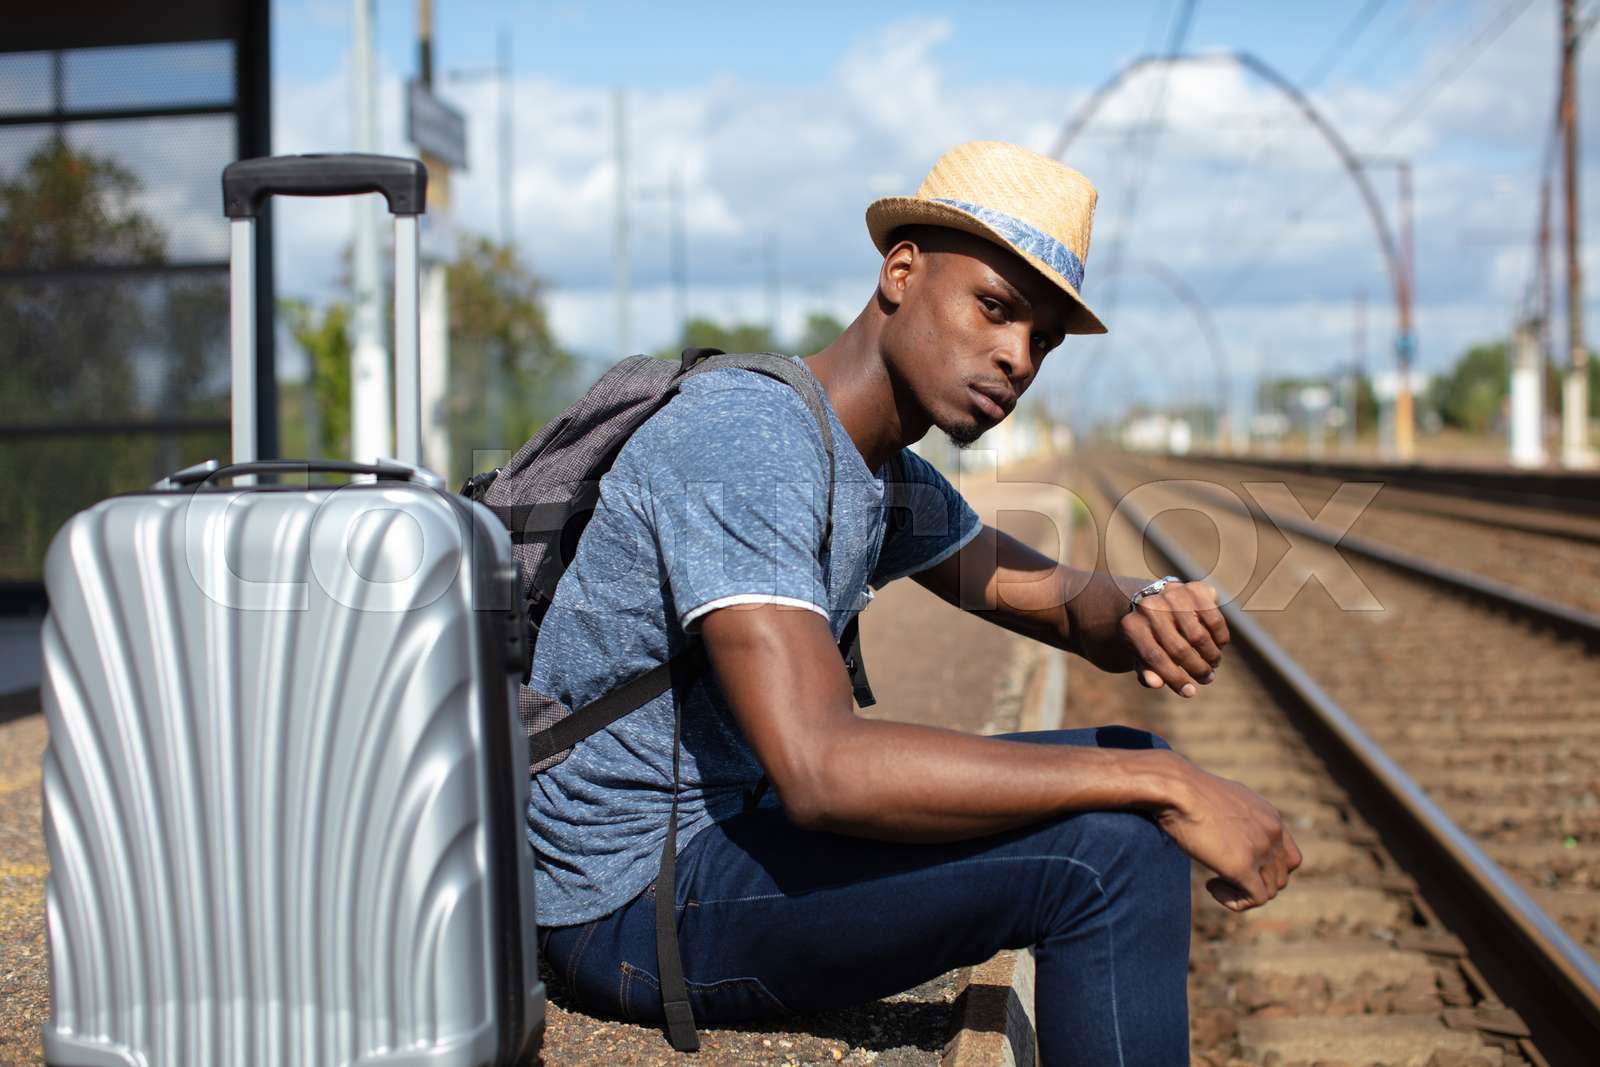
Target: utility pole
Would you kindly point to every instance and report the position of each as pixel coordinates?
(1397, 434)
(1575, 450)
(508, 208)
(1406, 344)
(620, 240)
(1358, 364)
(371, 434)
(505, 151)
(680, 253)
(1527, 401)
(1531, 340)
(434, 298)
(677, 245)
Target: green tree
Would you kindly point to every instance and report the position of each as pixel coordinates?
(701, 332)
(508, 375)
(325, 339)
(820, 331)
(740, 337)
(1473, 393)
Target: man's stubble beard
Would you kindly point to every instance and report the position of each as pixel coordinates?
(964, 436)
(964, 441)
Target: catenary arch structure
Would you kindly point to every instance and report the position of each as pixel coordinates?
(1208, 330)
(1186, 296)
(1148, 349)
(1398, 275)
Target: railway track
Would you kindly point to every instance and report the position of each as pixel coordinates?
(1564, 492)
(1400, 942)
(1554, 554)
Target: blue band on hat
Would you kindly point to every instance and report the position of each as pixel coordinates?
(1025, 238)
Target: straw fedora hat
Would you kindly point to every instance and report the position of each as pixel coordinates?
(1027, 203)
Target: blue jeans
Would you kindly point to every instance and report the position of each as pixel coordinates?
(775, 920)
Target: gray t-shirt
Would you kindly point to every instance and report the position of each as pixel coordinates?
(715, 500)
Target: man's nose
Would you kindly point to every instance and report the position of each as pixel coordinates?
(1014, 358)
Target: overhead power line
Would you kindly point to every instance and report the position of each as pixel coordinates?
(1405, 114)
(1352, 31)
(1458, 64)
(1176, 37)
(1536, 302)
(1415, 15)
(1324, 65)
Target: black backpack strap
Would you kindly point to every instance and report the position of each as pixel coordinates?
(608, 708)
(850, 649)
(476, 487)
(675, 1006)
(792, 374)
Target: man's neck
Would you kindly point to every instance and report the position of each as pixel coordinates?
(861, 390)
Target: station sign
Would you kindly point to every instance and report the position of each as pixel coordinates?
(436, 128)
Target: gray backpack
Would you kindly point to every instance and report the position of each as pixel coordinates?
(545, 496)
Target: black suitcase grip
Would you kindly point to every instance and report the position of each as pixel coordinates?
(394, 472)
(247, 183)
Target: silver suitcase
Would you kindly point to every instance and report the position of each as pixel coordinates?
(284, 790)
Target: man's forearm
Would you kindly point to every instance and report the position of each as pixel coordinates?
(1095, 604)
(1015, 586)
(904, 782)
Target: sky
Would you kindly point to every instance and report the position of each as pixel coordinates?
(784, 121)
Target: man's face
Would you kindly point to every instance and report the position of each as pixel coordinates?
(971, 324)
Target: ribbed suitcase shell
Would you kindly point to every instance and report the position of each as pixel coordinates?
(281, 799)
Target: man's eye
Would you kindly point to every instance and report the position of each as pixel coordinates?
(992, 306)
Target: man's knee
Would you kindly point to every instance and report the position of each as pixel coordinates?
(1130, 848)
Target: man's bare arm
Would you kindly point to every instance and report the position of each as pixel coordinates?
(1175, 639)
(902, 782)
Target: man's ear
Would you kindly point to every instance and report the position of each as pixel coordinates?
(897, 267)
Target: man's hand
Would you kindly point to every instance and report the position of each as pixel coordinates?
(1178, 636)
(1236, 834)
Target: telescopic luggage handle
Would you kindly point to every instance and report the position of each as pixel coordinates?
(246, 184)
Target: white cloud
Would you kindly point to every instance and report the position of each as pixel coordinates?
(800, 163)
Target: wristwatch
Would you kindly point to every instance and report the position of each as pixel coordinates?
(1153, 589)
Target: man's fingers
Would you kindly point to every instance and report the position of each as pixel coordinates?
(1275, 873)
(1187, 603)
(1227, 894)
(1292, 850)
(1202, 600)
(1213, 620)
(1198, 636)
(1164, 625)
(1155, 658)
(1260, 891)
(1239, 894)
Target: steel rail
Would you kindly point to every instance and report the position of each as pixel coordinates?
(1528, 489)
(1540, 970)
(1493, 522)
(1574, 622)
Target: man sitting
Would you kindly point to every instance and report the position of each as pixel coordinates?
(886, 853)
